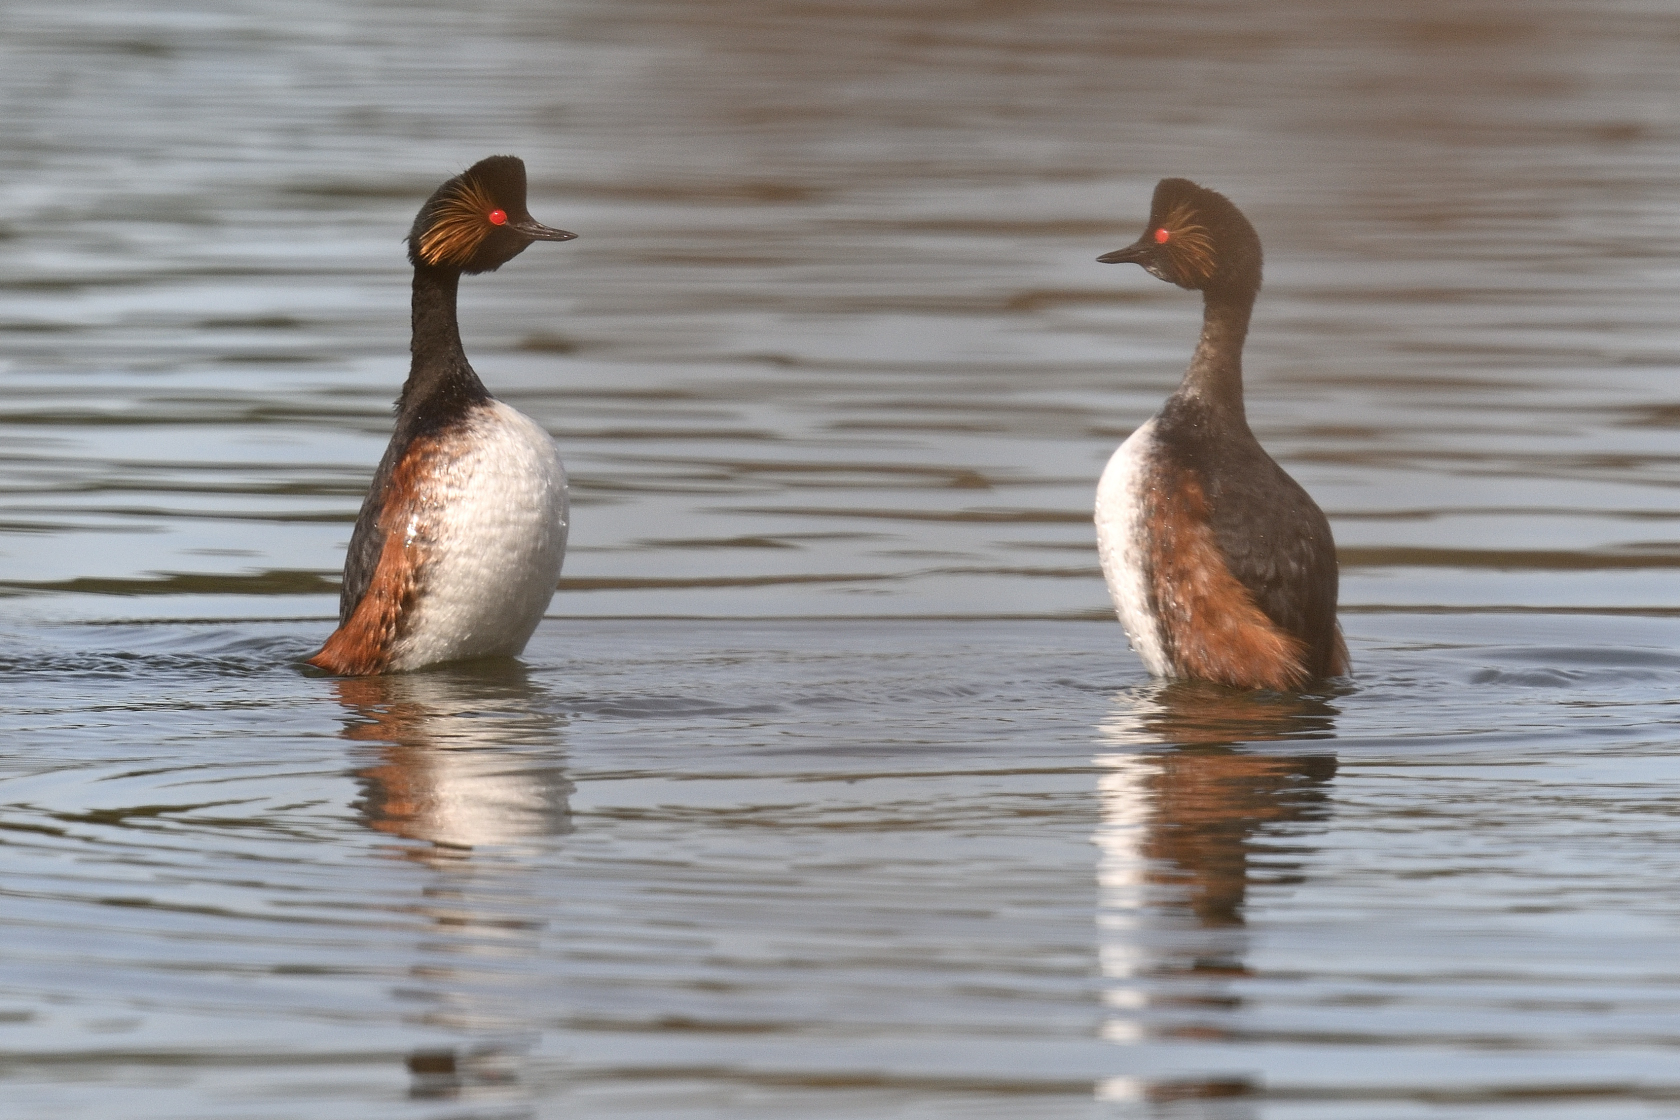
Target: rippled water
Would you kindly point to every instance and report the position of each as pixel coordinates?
(829, 788)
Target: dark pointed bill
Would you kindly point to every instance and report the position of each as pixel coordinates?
(536, 231)
(1131, 254)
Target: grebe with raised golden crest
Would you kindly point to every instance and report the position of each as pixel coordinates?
(1220, 565)
(457, 550)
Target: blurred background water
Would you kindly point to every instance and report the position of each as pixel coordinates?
(829, 787)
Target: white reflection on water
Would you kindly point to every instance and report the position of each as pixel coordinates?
(1187, 809)
(457, 772)
(1121, 881)
(469, 767)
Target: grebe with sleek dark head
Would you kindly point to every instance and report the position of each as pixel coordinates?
(458, 546)
(1220, 565)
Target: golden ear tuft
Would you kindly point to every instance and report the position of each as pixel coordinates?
(1189, 245)
(460, 223)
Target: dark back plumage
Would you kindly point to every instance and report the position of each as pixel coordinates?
(1273, 537)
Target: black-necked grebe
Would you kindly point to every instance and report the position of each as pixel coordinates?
(1220, 565)
(457, 549)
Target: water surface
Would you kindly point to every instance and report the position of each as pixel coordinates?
(829, 787)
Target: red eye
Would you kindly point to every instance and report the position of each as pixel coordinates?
(499, 217)
(1161, 236)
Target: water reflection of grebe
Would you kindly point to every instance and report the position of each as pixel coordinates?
(1187, 808)
(467, 760)
(467, 763)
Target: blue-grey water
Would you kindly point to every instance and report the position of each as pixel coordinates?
(829, 788)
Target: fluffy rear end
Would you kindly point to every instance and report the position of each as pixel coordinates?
(492, 523)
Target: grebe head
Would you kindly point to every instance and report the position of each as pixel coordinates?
(477, 221)
(1196, 239)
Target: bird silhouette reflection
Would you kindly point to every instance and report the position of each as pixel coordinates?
(465, 767)
(1203, 804)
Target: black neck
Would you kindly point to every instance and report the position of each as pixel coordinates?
(1214, 378)
(441, 384)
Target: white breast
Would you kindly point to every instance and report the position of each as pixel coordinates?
(491, 522)
(1121, 541)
